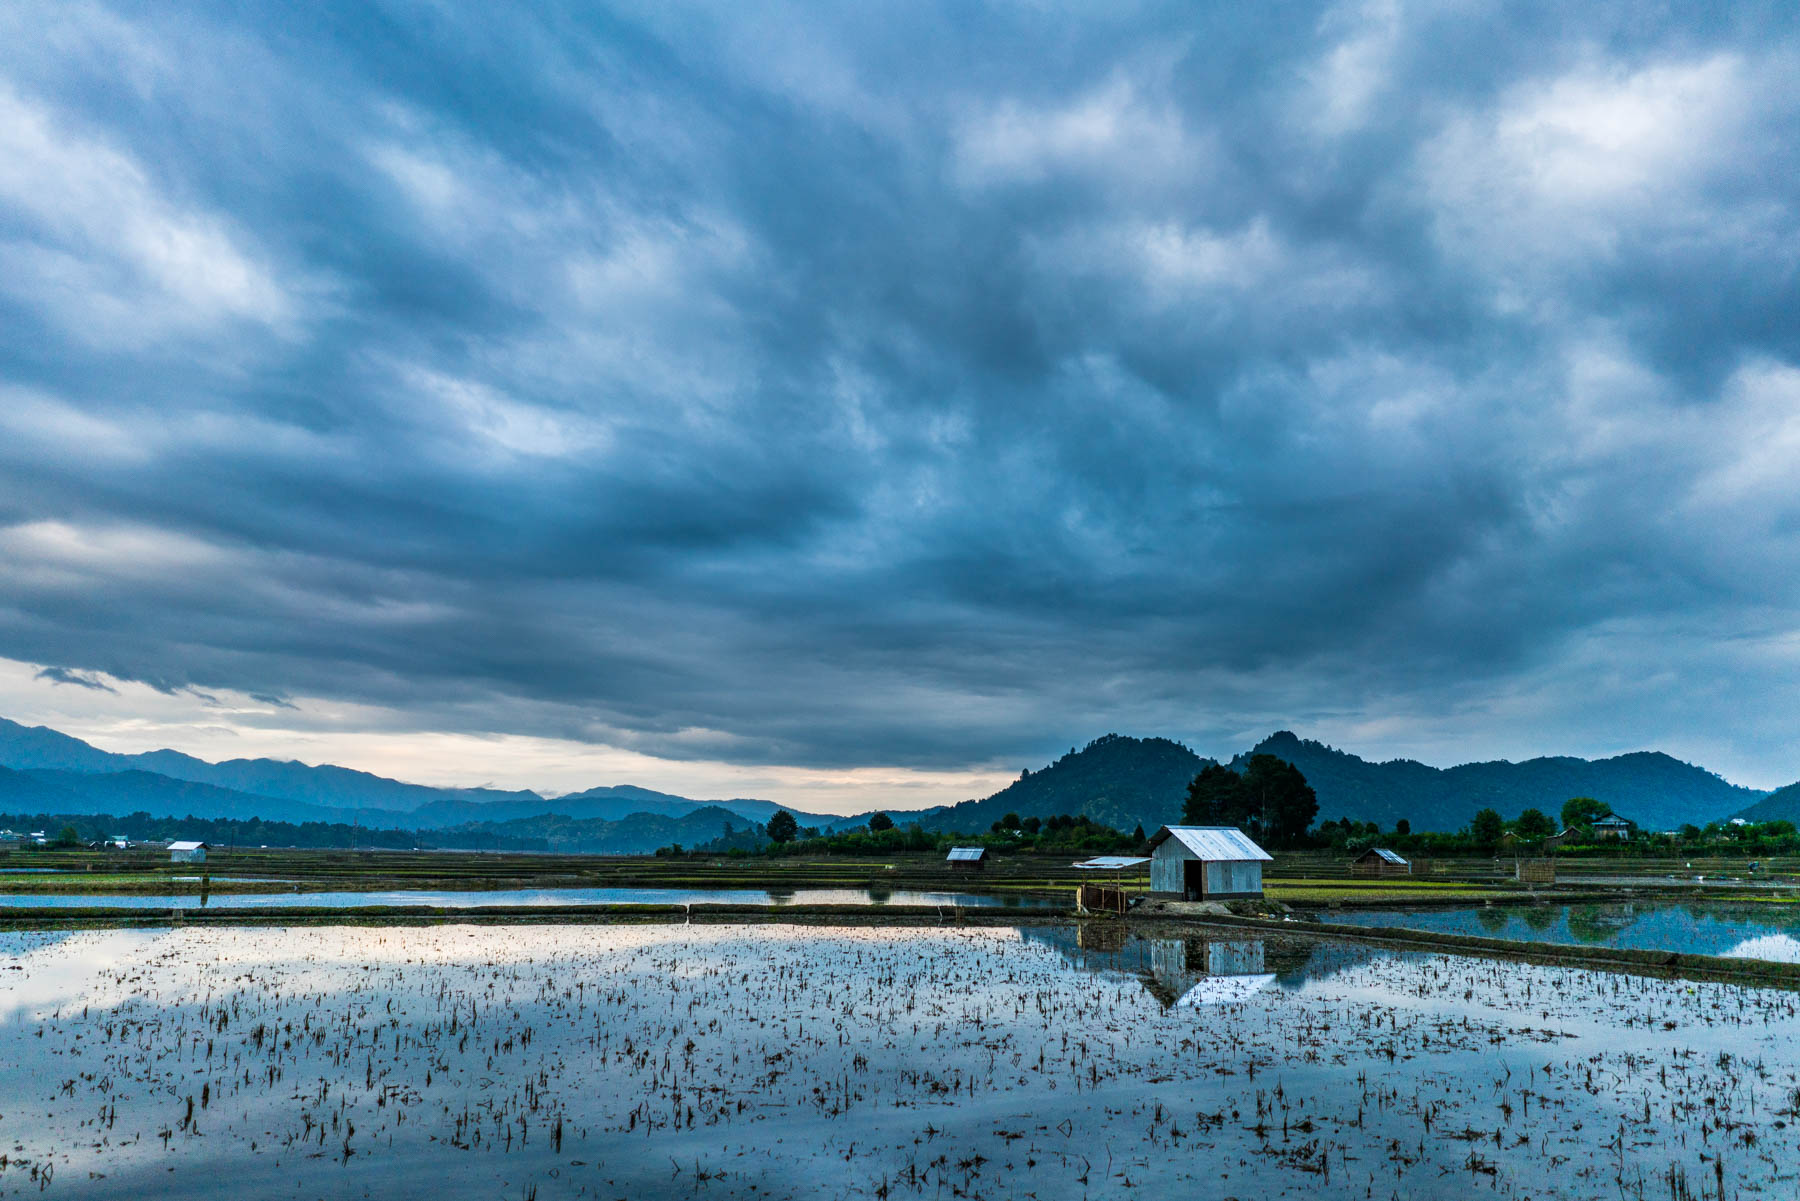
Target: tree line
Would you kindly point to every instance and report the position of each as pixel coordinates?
(220, 832)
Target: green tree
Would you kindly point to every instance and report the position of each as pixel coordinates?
(783, 826)
(1282, 804)
(1583, 811)
(1534, 825)
(68, 836)
(879, 822)
(1403, 827)
(1215, 797)
(1486, 827)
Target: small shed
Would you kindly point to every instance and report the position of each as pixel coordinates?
(1379, 861)
(187, 852)
(1205, 863)
(1097, 898)
(966, 859)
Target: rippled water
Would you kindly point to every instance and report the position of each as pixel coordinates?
(457, 899)
(1756, 932)
(781, 1061)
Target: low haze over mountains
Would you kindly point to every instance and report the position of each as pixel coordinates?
(1118, 780)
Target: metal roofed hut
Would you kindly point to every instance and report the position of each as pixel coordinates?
(1379, 861)
(1205, 863)
(1097, 898)
(966, 859)
(1186, 973)
(187, 852)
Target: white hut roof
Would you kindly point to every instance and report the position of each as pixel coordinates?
(1212, 842)
(1224, 990)
(965, 854)
(187, 846)
(1390, 856)
(1110, 863)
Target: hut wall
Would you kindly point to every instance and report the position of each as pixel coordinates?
(1234, 958)
(1166, 867)
(1234, 878)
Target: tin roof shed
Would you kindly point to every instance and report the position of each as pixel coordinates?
(1214, 843)
(966, 855)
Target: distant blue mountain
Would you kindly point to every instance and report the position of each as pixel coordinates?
(161, 782)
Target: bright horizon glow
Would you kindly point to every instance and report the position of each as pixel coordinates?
(135, 718)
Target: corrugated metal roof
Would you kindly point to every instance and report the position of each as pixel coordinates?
(1391, 856)
(1217, 843)
(186, 846)
(1224, 990)
(1111, 863)
(965, 854)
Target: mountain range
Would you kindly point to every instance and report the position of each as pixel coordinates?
(1657, 791)
(1119, 780)
(48, 771)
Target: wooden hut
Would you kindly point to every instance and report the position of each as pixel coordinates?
(1205, 863)
(966, 859)
(1379, 861)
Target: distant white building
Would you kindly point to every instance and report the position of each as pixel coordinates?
(187, 852)
(1205, 863)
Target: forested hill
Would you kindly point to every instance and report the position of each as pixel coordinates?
(1653, 789)
(1122, 782)
(1781, 805)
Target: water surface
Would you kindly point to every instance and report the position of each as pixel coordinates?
(1740, 931)
(775, 1061)
(461, 899)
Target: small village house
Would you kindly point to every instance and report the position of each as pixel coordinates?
(1205, 863)
(187, 852)
(967, 859)
(1614, 826)
(1379, 861)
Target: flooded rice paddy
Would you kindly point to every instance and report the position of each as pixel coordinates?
(779, 1061)
(1769, 932)
(468, 899)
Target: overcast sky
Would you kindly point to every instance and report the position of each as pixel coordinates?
(855, 404)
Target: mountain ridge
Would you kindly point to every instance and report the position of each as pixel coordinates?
(1116, 779)
(289, 790)
(1654, 789)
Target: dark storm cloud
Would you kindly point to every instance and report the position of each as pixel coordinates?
(62, 675)
(908, 385)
